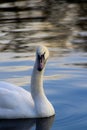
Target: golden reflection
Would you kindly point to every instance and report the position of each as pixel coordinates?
(19, 81)
(11, 56)
(22, 81)
(15, 68)
(56, 77)
(26, 22)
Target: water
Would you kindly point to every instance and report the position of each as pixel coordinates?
(65, 78)
(65, 84)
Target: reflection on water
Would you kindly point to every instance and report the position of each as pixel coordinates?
(24, 124)
(45, 123)
(27, 124)
(39, 21)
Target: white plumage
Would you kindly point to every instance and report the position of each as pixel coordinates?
(16, 102)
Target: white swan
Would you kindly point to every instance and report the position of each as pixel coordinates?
(16, 102)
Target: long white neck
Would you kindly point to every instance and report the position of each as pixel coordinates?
(37, 82)
(43, 107)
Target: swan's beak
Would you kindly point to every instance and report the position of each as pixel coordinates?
(41, 62)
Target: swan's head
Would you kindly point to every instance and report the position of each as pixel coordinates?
(42, 55)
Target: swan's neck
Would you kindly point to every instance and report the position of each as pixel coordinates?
(43, 107)
(37, 82)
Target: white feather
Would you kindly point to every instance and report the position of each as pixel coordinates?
(16, 102)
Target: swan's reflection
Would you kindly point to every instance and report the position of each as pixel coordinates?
(44, 123)
(27, 124)
(19, 124)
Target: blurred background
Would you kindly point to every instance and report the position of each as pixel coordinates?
(58, 22)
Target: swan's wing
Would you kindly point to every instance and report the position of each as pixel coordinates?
(8, 99)
(15, 101)
(9, 91)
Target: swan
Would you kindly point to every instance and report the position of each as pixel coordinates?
(16, 102)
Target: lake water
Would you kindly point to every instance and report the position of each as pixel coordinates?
(65, 78)
(65, 83)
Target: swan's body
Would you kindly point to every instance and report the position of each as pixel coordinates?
(16, 102)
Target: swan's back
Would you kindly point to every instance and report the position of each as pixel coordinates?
(9, 86)
(4, 86)
(15, 101)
